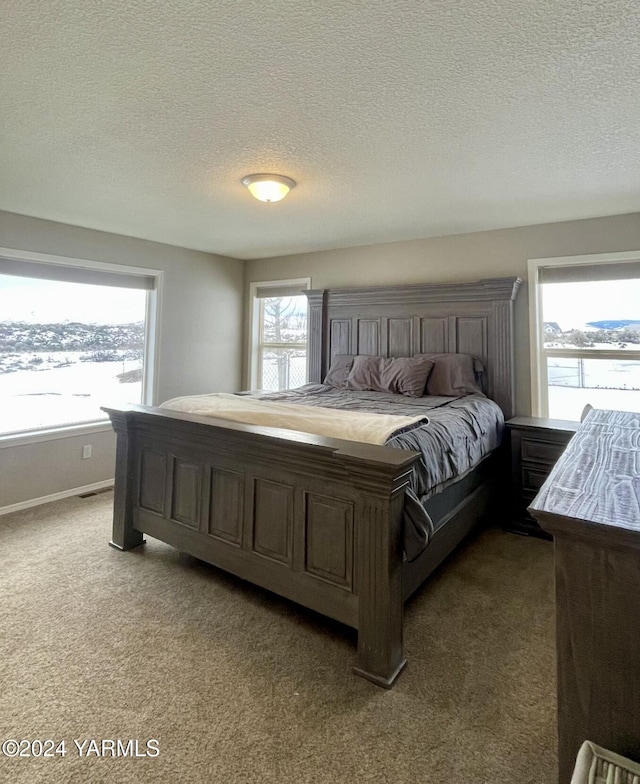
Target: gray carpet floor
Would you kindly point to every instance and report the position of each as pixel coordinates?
(242, 687)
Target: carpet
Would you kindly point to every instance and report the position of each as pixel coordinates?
(239, 686)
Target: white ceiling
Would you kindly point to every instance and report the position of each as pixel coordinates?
(398, 119)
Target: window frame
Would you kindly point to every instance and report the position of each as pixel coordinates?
(151, 342)
(255, 324)
(538, 354)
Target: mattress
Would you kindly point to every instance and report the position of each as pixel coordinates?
(457, 435)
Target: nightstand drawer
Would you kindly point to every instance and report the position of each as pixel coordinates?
(536, 446)
(541, 451)
(533, 478)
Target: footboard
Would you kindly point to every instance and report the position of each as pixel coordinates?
(314, 519)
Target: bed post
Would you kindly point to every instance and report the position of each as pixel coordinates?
(124, 535)
(378, 567)
(317, 299)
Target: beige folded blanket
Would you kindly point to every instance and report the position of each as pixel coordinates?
(350, 425)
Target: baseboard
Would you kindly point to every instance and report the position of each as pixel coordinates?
(45, 499)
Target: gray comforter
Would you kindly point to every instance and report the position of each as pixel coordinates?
(458, 434)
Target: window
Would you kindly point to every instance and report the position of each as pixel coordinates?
(585, 332)
(73, 338)
(279, 334)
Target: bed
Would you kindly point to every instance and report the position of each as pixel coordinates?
(316, 519)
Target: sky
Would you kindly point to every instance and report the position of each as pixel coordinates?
(572, 305)
(44, 301)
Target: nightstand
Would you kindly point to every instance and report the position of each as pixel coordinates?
(536, 445)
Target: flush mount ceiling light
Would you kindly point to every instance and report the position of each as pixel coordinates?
(268, 187)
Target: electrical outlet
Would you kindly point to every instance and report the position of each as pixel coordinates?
(86, 451)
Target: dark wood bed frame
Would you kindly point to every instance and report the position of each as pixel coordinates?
(316, 520)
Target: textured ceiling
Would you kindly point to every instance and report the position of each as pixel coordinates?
(398, 119)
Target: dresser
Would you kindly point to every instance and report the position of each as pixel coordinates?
(590, 503)
(536, 444)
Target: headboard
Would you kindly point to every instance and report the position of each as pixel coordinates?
(400, 321)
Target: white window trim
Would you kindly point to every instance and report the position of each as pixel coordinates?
(254, 322)
(53, 434)
(539, 384)
(151, 342)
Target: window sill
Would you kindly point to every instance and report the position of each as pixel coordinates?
(53, 433)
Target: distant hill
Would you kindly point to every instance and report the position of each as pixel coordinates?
(18, 336)
(614, 323)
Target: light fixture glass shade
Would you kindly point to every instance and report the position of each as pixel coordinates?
(268, 187)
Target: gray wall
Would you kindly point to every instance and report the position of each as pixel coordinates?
(459, 257)
(201, 346)
(200, 343)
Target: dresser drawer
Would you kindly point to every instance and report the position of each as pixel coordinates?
(536, 451)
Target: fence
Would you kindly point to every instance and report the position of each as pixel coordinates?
(593, 373)
(283, 369)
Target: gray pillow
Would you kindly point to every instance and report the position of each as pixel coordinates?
(402, 375)
(453, 375)
(337, 374)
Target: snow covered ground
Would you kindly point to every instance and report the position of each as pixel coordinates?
(49, 396)
(603, 383)
(568, 402)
